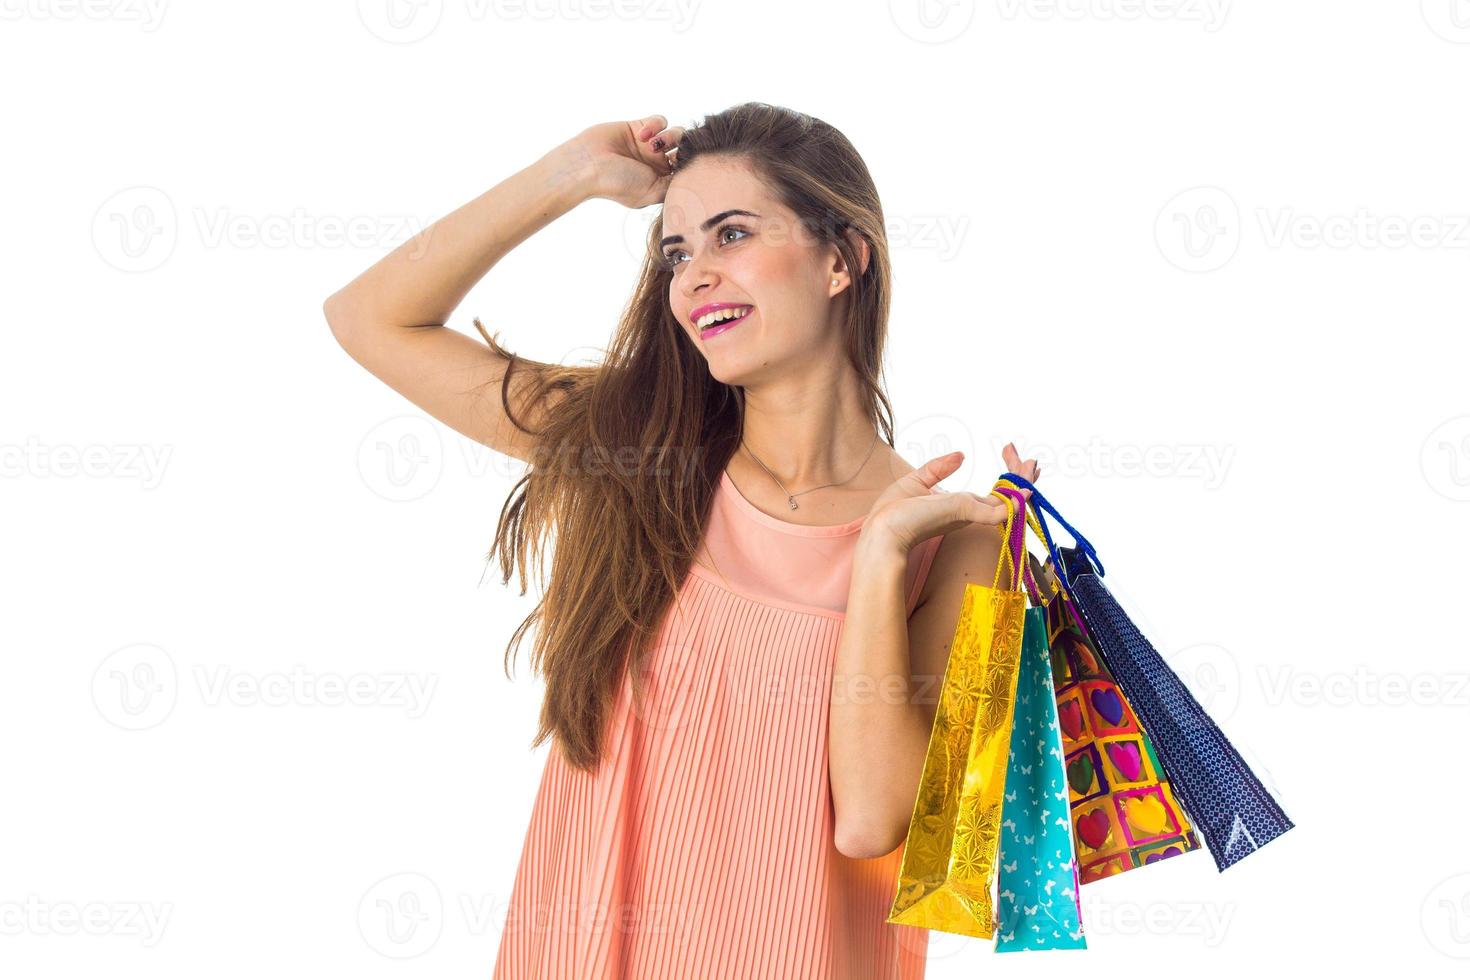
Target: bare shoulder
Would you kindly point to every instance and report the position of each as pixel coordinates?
(970, 554)
(967, 555)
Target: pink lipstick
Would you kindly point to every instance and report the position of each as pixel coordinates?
(723, 325)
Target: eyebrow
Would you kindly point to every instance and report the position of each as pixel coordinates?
(708, 224)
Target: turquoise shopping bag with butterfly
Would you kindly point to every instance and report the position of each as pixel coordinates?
(1038, 905)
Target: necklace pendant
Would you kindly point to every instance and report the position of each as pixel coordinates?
(792, 502)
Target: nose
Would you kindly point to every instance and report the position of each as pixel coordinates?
(699, 270)
(696, 278)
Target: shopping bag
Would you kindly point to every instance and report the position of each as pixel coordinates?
(947, 871)
(1124, 814)
(1227, 802)
(1037, 901)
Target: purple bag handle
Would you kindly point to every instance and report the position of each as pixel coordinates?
(1016, 545)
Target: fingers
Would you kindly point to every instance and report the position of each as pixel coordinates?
(1030, 469)
(649, 125)
(658, 142)
(988, 509)
(667, 139)
(667, 142)
(937, 469)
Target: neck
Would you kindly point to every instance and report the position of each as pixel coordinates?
(810, 435)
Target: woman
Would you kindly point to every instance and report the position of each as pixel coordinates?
(735, 756)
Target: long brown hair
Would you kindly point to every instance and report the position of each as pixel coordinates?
(626, 465)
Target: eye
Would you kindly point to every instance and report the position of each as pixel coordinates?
(671, 261)
(719, 235)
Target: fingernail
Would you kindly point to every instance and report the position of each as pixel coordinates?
(644, 132)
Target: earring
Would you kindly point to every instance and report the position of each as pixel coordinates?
(834, 282)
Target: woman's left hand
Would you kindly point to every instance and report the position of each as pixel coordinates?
(1030, 469)
(911, 511)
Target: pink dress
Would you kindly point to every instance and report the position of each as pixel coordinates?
(703, 848)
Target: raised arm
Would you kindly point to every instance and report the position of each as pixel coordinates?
(391, 318)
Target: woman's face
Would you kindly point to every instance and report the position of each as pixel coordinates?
(727, 241)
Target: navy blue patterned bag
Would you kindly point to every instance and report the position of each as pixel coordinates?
(1227, 802)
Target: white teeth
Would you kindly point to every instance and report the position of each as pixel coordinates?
(725, 314)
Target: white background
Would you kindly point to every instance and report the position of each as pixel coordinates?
(1206, 261)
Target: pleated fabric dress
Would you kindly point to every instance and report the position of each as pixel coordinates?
(703, 848)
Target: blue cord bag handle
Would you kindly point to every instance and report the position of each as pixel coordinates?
(1040, 505)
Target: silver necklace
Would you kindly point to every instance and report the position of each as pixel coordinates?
(791, 497)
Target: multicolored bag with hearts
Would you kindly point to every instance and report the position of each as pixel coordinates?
(1124, 814)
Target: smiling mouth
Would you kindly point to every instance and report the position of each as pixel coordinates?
(722, 325)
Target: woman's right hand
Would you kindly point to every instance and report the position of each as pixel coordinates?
(623, 161)
(912, 509)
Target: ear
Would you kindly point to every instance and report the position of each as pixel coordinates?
(860, 245)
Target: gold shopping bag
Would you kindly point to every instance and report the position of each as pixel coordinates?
(948, 868)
